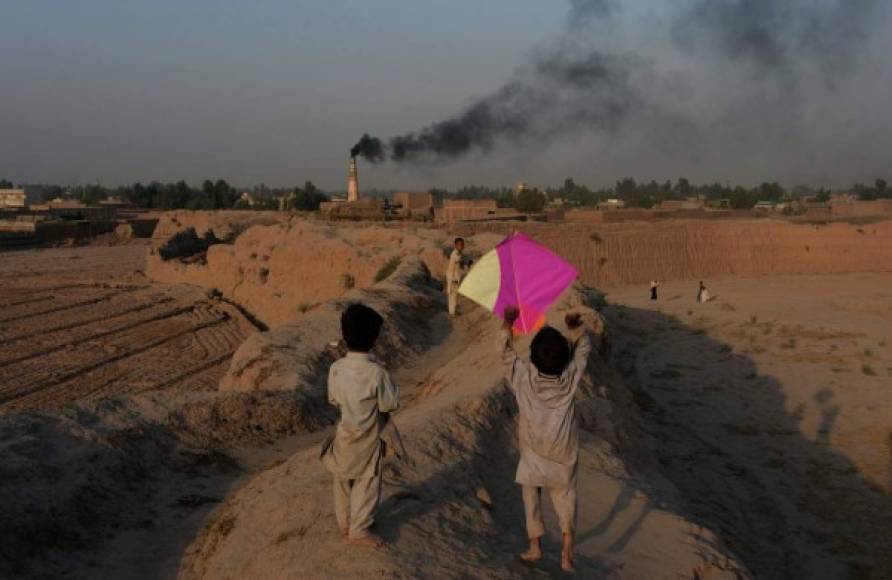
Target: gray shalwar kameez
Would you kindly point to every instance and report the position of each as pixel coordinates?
(548, 436)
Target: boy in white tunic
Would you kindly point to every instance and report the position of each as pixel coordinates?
(545, 387)
(454, 273)
(364, 393)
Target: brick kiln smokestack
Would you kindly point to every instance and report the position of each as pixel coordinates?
(353, 182)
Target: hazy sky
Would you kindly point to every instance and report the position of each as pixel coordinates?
(278, 91)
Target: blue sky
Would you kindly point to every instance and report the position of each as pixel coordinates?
(278, 91)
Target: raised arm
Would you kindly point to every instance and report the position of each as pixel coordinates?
(388, 394)
(582, 343)
(506, 343)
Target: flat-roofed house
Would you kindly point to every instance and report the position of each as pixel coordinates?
(22, 197)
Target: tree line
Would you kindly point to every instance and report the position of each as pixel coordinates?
(221, 195)
(180, 195)
(646, 195)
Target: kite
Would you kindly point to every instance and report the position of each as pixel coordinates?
(520, 273)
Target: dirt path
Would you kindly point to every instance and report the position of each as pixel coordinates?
(457, 512)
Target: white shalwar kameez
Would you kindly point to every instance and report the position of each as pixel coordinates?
(454, 273)
(362, 390)
(548, 436)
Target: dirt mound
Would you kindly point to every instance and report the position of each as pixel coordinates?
(297, 355)
(69, 482)
(282, 272)
(456, 512)
(226, 225)
(186, 244)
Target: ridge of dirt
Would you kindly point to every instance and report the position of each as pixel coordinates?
(458, 422)
(76, 481)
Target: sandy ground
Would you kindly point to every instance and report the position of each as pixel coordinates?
(771, 407)
(457, 512)
(747, 437)
(81, 323)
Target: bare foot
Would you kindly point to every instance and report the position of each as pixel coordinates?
(368, 541)
(534, 554)
(567, 563)
(344, 531)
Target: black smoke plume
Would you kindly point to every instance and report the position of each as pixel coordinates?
(369, 148)
(587, 81)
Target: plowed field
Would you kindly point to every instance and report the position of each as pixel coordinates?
(84, 323)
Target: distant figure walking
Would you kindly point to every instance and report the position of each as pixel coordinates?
(702, 294)
(454, 274)
(654, 284)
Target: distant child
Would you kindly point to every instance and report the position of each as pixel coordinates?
(454, 272)
(702, 294)
(545, 387)
(364, 393)
(654, 284)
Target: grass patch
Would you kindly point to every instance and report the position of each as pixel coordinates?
(264, 275)
(348, 281)
(595, 237)
(868, 352)
(388, 269)
(868, 370)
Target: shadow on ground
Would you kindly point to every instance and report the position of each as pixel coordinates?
(789, 506)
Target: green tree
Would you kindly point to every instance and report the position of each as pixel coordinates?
(530, 201)
(683, 187)
(4, 184)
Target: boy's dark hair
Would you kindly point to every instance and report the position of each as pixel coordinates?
(360, 327)
(550, 352)
(457, 240)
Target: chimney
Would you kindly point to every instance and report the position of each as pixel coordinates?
(353, 182)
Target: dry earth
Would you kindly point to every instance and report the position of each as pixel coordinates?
(456, 512)
(748, 437)
(85, 323)
(771, 408)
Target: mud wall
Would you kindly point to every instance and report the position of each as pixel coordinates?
(611, 255)
(281, 272)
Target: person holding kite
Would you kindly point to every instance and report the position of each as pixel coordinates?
(545, 387)
(519, 281)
